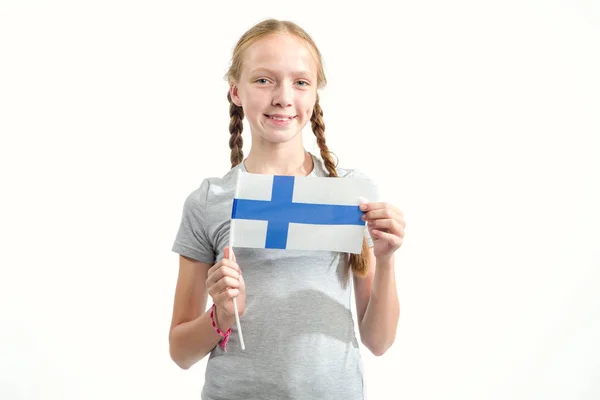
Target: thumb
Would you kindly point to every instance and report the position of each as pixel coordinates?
(227, 251)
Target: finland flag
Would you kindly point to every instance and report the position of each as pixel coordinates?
(300, 213)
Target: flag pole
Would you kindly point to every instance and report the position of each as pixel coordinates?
(235, 307)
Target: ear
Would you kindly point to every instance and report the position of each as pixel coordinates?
(235, 97)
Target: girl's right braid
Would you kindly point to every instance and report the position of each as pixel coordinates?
(236, 127)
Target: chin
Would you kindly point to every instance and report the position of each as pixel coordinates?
(279, 137)
(278, 134)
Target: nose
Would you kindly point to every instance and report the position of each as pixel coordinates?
(282, 95)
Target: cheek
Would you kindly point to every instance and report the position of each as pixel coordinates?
(252, 99)
(308, 106)
(252, 107)
(309, 113)
(309, 110)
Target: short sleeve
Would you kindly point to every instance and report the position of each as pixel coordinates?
(192, 240)
(359, 174)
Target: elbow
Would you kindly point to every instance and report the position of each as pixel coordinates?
(378, 349)
(379, 341)
(180, 362)
(378, 353)
(176, 356)
(378, 345)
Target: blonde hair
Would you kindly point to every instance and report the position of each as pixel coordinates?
(359, 263)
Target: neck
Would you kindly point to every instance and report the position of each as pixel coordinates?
(278, 159)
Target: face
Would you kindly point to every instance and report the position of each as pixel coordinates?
(277, 88)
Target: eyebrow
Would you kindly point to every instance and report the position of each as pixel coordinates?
(259, 69)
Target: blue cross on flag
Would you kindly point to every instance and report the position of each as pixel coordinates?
(300, 213)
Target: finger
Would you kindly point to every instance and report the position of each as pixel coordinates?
(226, 282)
(388, 237)
(218, 266)
(380, 205)
(223, 271)
(224, 296)
(223, 268)
(388, 225)
(226, 263)
(229, 267)
(223, 285)
(381, 213)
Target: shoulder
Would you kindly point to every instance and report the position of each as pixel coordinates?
(351, 173)
(342, 172)
(212, 189)
(216, 186)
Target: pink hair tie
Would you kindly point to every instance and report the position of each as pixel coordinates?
(225, 335)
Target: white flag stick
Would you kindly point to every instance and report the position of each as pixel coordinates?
(235, 309)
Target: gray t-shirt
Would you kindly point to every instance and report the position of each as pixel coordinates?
(298, 326)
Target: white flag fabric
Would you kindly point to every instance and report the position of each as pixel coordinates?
(300, 213)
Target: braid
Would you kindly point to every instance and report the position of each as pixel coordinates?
(235, 129)
(318, 127)
(359, 263)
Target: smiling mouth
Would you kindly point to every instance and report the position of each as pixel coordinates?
(280, 118)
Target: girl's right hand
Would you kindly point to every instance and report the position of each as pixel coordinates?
(225, 282)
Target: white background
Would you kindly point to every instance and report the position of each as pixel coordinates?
(479, 119)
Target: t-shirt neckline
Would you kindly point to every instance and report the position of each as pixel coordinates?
(312, 173)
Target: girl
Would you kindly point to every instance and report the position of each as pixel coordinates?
(297, 322)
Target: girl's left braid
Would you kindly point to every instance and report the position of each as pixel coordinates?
(236, 127)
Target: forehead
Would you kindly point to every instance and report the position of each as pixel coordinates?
(280, 53)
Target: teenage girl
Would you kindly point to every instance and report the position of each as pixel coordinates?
(294, 305)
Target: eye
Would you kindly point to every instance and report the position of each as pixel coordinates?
(305, 83)
(262, 80)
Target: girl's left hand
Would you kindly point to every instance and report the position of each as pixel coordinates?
(386, 227)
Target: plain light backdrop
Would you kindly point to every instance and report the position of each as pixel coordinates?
(480, 120)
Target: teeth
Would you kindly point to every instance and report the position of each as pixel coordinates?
(281, 119)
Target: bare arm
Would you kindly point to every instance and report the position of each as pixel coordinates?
(377, 306)
(191, 336)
